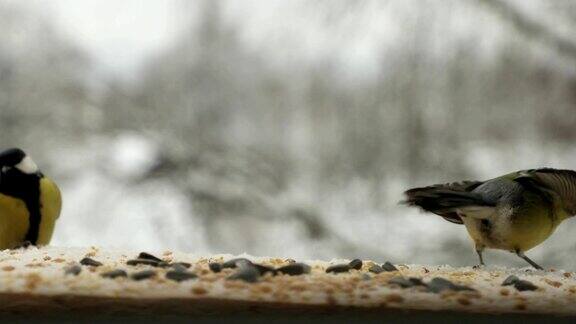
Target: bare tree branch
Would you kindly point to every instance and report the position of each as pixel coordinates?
(533, 29)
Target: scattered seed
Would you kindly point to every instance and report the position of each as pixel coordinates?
(114, 274)
(524, 285)
(180, 275)
(438, 285)
(234, 263)
(246, 272)
(510, 280)
(464, 301)
(72, 270)
(141, 275)
(136, 262)
(199, 291)
(394, 298)
(338, 268)
(401, 281)
(90, 262)
(376, 269)
(355, 264)
(148, 256)
(553, 283)
(295, 269)
(387, 266)
(215, 267)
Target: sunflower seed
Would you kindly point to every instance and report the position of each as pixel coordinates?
(148, 256)
(355, 264)
(401, 281)
(524, 285)
(265, 269)
(246, 272)
(114, 274)
(233, 263)
(387, 266)
(141, 275)
(417, 281)
(181, 264)
(180, 275)
(510, 280)
(90, 262)
(338, 268)
(136, 262)
(215, 267)
(72, 270)
(440, 284)
(295, 269)
(179, 267)
(376, 269)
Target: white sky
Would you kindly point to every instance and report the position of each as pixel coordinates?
(118, 35)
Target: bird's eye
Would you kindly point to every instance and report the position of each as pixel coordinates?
(5, 169)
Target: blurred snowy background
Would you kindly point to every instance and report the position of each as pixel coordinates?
(286, 128)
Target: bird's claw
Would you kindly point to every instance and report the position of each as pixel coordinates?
(24, 245)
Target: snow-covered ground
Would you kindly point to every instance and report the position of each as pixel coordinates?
(38, 279)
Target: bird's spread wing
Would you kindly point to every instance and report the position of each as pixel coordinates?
(562, 182)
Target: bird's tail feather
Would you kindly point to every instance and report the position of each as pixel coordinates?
(444, 199)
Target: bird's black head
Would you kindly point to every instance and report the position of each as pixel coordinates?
(15, 158)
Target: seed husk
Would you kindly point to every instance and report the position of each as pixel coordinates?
(525, 285)
(510, 280)
(148, 256)
(215, 267)
(72, 270)
(387, 266)
(90, 262)
(114, 274)
(376, 269)
(295, 269)
(338, 268)
(141, 275)
(180, 275)
(355, 264)
(438, 285)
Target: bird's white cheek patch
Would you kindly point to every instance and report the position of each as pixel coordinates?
(27, 166)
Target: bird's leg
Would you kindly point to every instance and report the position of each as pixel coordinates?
(479, 250)
(527, 259)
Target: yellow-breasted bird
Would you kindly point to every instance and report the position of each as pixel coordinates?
(30, 202)
(514, 212)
